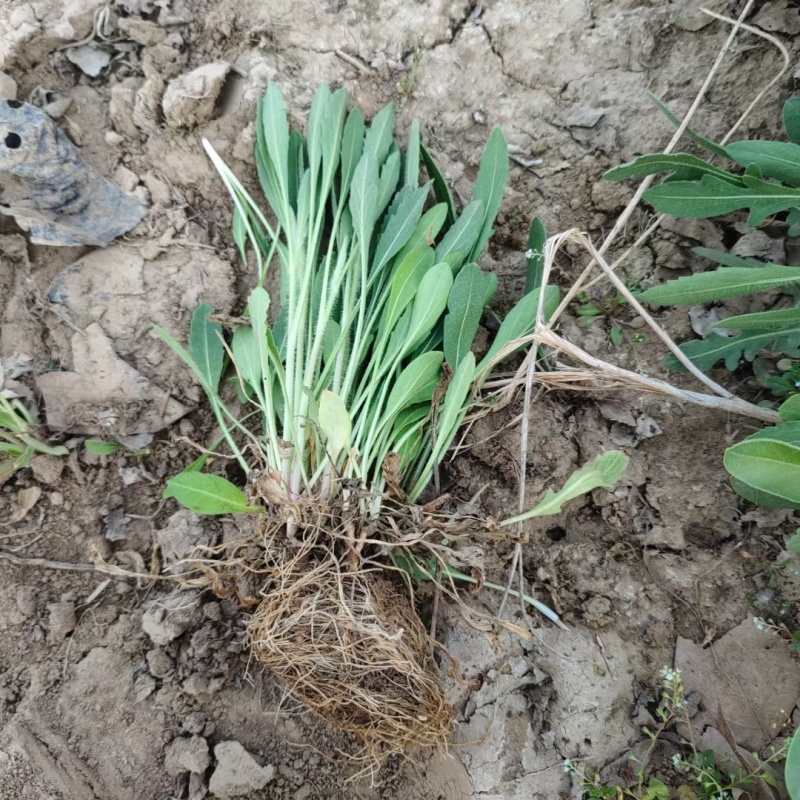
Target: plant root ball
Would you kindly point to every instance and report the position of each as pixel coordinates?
(351, 647)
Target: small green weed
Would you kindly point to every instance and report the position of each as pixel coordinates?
(704, 780)
(18, 442)
(100, 447)
(405, 87)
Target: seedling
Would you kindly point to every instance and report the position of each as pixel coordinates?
(18, 442)
(701, 778)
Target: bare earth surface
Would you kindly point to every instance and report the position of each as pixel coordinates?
(113, 690)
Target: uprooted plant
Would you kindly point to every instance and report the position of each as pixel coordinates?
(348, 398)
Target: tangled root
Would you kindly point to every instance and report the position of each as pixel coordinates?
(340, 631)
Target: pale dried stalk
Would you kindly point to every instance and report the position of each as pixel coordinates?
(597, 256)
(607, 376)
(623, 218)
(725, 139)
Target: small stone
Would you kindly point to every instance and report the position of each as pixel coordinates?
(597, 610)
(47, 469)
(56, 499)
(701, 230)
(184, 532)
(143, 687)
(519, 665)
(237, 773)
(142, 31)
(584, 117)
(212, 611)
(166, 619)
(196, 685)
(190, 99)
(669, 255)
(120, 107)
(607, 196)
(8, 87)
(197, 786)
(147, 104)
(113, 139)
(159, 190)
(159, 663)
(126, 179)
(62, 621)
(26, 601)
(194, 722)
(628, 589)
(130, 475)
(187, 754)
(303, 793)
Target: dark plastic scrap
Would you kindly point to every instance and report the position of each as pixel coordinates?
(57, 196)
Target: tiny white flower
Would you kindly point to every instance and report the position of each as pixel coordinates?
(676, 760)
(759, 623)
(529, 253)
(567, 765)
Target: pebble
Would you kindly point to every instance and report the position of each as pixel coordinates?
(187, 754)
(237, 772)
(168, 618)
(194, 722)
(159, 663)
(142, 31)
(126, 179)
(8, 87)
(62, 621)
(26, 601)
(191, 99)
(196, 685)
(143, 687)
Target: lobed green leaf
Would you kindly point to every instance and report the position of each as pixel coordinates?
(762, 320)
(720, 284)
(682, 166)
(605, 470)
(705, 353)
(711, 197)
(779, 160)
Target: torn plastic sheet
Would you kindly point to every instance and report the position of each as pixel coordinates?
(48, 188)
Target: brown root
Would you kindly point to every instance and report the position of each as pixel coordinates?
(341, 631)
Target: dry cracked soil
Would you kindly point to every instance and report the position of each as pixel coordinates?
(117, 689)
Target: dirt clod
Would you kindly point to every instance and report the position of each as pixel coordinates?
(166, 619)
(191, 99)
(237, 773)
(61, 622)
(187, 754)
